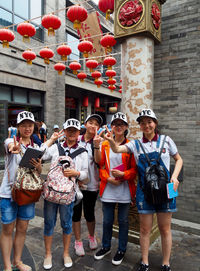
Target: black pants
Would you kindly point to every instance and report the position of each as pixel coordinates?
(88, 203)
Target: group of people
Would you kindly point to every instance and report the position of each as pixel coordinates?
(108, 168)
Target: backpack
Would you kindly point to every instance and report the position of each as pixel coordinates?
(155, 179)
(58, 188)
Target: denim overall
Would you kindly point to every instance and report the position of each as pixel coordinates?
(142, 205)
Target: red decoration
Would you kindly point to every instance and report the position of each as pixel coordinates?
(111, 81)
(120, 90)
(85, 101)
(155, 14)
(130, 13)
(120, 86)
(106, 6)
(51, 22)
(29, 56)
(77, 15)
(91, 64)
(46, 53)
(120, 80)
(112, 87)
(64, 51)
(27, 30)
(98, 82)
(6, 36)
(74, 66)
(59, 67)
(109, 61)
(81, 76)
(85, 47)
(110, 73)
(115, 105)
(97, 102)
(108, 41)
(96, 75)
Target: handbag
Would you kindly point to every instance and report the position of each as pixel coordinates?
(27, 187)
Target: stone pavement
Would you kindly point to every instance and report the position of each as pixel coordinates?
(185, 252)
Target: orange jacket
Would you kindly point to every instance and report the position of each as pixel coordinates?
(129, 165)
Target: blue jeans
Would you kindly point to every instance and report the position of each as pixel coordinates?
(10, 211)
(108, 219)
(50, 217)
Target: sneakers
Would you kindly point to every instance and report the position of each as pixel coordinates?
(102, 253)
(79, 250)
(143, 267)
(67, 261)
(165, 268)
(47, 263)
(118, 258)
(92, 242)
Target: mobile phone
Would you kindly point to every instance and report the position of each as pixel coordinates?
(100, 130)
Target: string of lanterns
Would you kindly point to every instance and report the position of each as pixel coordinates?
(76, 14)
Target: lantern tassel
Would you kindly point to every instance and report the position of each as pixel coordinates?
(26, 38)
(29, 61)
(5, 44)
(77, 24)
(64, 57)
(51, 31)
(59, 72)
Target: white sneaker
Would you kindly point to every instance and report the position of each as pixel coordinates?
(92, 242)
(67, 261)
(79, 250)
(47, 263)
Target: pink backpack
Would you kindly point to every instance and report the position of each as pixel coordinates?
(58, 188)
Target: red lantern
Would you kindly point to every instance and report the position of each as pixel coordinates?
(96, 75)
(120, 86)
(115, 105)
(111, 81)
(51, 22)
(64, 51)
(27, 30)
(108, 41)
(74, 66)
(77, 15)
(120, 90)
(109, 61)
(81, 76)
(112, 87)
(6, 36)
(59, 67)
(120, 80)
(46, 53)
(98, 82)
(110, 73)
(85, 101)
(97, 102)
(91, 64)
(106, 6)
(29, 56)
(85, 47)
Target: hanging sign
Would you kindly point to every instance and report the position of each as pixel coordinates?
(89, 28)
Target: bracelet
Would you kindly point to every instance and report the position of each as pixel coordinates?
(96, 148)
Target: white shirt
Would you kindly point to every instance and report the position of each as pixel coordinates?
(11, 165)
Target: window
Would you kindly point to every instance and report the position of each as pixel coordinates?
(16, 11)
(73, 44)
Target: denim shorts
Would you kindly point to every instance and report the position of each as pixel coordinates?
(50, 217)
(145, 208)
(10, 211)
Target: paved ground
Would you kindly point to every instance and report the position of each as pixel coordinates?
(185, 251)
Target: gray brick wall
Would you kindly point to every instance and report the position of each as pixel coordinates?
(177, 95)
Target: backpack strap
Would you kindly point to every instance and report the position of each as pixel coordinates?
(76, 153)
(147, 157)
(60, 150)
(137, 145)
(161, 149)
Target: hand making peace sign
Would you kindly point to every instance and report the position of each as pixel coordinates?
(16, 146)
(97, 138)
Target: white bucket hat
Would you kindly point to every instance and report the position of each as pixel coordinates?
(25, 115)
(72, 123)
(120, 116)
(146, 113)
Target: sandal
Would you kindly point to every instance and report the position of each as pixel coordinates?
(22, 267)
